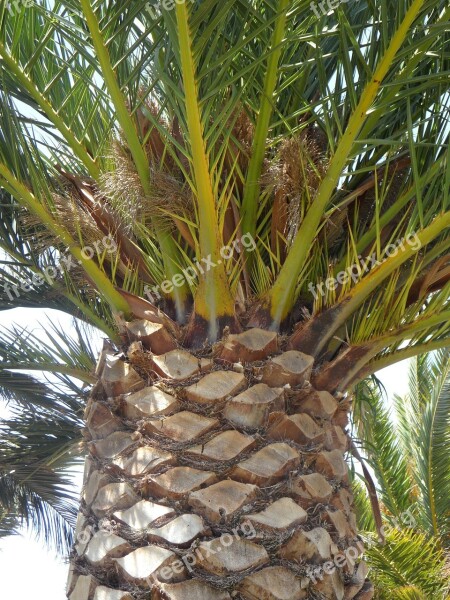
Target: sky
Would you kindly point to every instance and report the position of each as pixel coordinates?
(28, 570)
(45, 573)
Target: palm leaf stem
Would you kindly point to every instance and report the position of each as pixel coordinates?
(251, 194)
(23, 195)
(282, 295)
(44, 104)
(213, 298)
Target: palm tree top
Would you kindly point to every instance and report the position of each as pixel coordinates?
(243, 163)
(407, 447)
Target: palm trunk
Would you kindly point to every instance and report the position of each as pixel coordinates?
(214, 476)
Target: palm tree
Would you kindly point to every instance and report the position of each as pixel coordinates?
(251, 201)
(408, 452)
(41, 437)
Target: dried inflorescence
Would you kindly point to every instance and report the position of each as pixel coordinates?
(295, 176)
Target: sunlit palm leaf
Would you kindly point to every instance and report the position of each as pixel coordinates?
(424, 417)
(41, 439)
(409, 566)
(408, 451)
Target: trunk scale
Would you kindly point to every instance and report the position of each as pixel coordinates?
(214, 475)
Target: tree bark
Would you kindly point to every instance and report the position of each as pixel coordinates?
(214, 475)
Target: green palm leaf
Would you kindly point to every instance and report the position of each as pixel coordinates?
(407, 449)
(425, 429)
(175, 133)
(408, 566)
(385, 455)
(41, 441)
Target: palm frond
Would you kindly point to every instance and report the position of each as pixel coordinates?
(9, 524)
(42, 499)
(424, 429)
(200, 104)
(37, 449)
(408, 566)
(41, 438)
(408, 450)
(65, 356)
(363, 508)
(380, 445)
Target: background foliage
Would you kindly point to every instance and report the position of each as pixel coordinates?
(407, 446)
